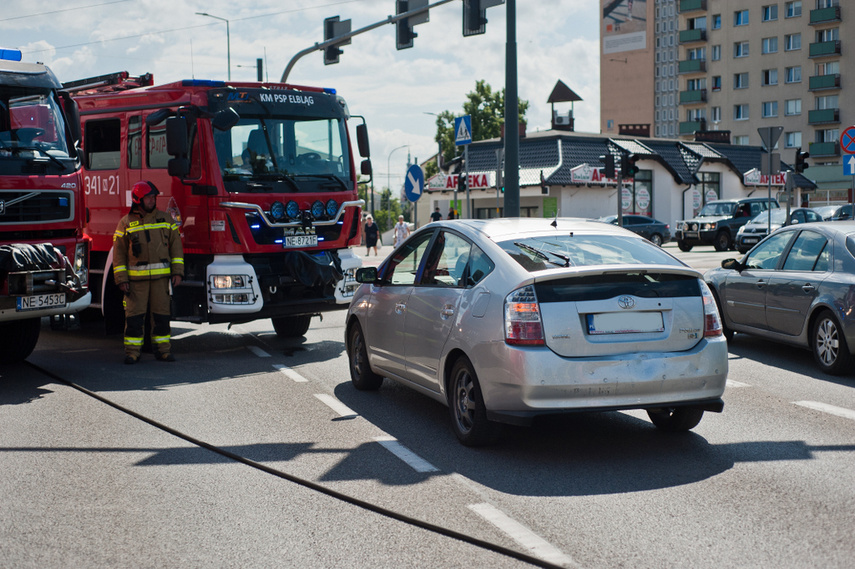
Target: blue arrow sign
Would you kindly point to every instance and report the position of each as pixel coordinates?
(463, 130)
(849, 166)
(414, 183)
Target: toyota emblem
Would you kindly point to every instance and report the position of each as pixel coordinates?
(625, 302)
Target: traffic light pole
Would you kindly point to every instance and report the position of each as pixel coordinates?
(512, 116)
(337, 40)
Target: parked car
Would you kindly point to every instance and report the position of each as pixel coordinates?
(796, 287)
(842, 213)
(718, 221)
(654, 230)
(827, 211)
(755, 230)
(506, 319)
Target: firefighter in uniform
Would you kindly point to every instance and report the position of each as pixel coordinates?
(147, 254)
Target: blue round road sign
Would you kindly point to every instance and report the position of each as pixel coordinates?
(414, 184)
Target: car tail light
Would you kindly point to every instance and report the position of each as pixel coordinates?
(523, 325)
(712, 321)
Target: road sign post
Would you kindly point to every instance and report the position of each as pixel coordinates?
(770, 135)
(463, 137)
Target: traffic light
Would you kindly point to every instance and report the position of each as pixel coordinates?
(334, 28)
(475, 15)
(609, 161)
(461, 182)
(628, 168)
(404, 33)
(801, 165)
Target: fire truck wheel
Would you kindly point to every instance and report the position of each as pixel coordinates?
(291, 326)
(19, 339)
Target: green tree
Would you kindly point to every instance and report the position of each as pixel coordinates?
(487, 108)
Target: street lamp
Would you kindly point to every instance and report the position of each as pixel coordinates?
(388, 172)
(228, 41)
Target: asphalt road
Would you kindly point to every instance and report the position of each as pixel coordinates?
(769, 482)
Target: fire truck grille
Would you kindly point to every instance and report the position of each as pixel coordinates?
(35, 206)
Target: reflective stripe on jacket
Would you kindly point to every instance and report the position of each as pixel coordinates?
(147, 247)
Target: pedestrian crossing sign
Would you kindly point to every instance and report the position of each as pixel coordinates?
(463, 130)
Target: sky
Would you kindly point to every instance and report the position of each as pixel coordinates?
(395, 90)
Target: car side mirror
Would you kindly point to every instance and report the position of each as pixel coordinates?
(732, 264)
(366, 275)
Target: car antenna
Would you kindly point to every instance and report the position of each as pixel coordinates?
(555, 221)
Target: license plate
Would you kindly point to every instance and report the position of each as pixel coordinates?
(38, 301)
(625, 323)
(301, 241)
(692, 234)
(750, 239)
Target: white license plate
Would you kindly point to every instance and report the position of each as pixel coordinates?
(750, 239)
(301, 241)
(625, 323)
(38, 301)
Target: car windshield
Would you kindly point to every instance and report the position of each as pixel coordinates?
(717, 208)
(777, 216)
(574, 250)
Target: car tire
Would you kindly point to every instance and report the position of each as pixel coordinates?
(722, 241)
(20, 339)
(656, 239)
(675, 419)
(291, 326)
(361, 375)
(466, 405)
(684, 247)
(829, 345)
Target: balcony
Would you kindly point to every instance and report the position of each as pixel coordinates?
(825, 48)
(822, 82)
(692, 5)
(825, 15)
(692, 36)
(692, 97)
(689, 127)
(824, 116)
(817, 149)
(692, 66)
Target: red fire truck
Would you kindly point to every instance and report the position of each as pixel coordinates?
(43, 251)
(260, 176)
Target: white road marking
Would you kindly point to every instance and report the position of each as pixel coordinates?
(735, 384)
(258, 351)
(826, 408)
(336, 405)
(191, 333)
(415, 461)
(291, 373)
(535, 544)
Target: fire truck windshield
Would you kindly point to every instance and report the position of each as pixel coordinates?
(31, 127)
(294, 151)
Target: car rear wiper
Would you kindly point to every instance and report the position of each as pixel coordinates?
(541, 254)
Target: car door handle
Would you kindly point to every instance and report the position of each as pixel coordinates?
(446, 312)
(808, 287)
(400, 307)
(760, 284)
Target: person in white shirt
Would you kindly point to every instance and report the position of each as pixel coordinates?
(402, 231)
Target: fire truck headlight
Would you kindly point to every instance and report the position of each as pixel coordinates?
(317, 209)
(80, 263)
(229, 281)
(292, 210)
(332, 208)
(277, 211)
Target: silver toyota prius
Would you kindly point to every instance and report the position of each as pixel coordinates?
(506, 319)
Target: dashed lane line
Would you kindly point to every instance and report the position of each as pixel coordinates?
(416, 462)
(258, 351)
(826, 408)
(290, 373)
(736, 384)
(532, 542)
(336, 405)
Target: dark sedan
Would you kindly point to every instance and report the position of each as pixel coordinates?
(797, 286)
(649, 228)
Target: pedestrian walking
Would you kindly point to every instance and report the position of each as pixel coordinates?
(436, 215)
(402, 230)
(147, 257)
(372, 233)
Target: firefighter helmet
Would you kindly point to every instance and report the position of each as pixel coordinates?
(142, 189)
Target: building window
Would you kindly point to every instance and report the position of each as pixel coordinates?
(793, 107)
(828, 68)
(792, 42)
(740, 49)
(770, 13)
(827, 102)
(740, 80)
(794, 74)
(831, 34)
(696, 84)
(715, 114)
(740, 18)
(697, 53)
(716, 83)
(820, 4)
(793, 139)
(770, 45)
(770, 109)
(794, 9)
(696, 114)
(716, 22)
(699, 23)
(740, 112)
(770, 77)
(715, 52)
(741, 140)
(827, 135)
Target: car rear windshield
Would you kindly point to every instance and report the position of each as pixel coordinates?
(601, 287)
(569, 250)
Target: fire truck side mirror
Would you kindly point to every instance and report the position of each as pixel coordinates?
(176, 136)
(362, 140)
(225, 119)
(365, 168)
(178, 167)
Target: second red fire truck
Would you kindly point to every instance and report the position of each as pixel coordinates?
(260, 176)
